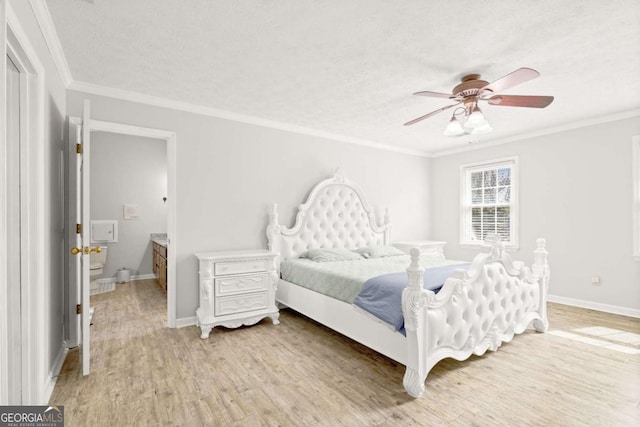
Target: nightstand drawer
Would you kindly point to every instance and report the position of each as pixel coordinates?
(240, 303)
(241, 284)
(235, 267)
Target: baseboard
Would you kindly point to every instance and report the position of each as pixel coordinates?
(186, 321)
(607, 308)
(143, 276)
(54, 372)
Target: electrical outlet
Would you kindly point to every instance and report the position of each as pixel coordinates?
(595, 281)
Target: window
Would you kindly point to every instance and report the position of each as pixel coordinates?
(636, 197)
(489, 202)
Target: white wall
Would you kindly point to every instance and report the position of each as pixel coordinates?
(132, 170)
(575, 191)
(229, 174)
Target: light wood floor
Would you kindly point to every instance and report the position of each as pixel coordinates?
(299, 373)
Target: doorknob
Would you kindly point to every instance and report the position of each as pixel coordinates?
(86, 250)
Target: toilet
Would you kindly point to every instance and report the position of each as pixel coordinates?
(98, 260)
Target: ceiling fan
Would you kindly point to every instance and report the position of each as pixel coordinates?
(471, 90)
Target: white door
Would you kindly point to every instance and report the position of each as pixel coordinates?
(74, 160)
(81, 261)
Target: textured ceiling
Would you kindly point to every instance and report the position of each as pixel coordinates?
(350, 67)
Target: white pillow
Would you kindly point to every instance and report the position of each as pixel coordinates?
(379, 251)
(331, 254)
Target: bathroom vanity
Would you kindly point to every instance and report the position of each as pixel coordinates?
(160, 260)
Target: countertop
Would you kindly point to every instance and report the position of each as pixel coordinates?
(160, 238)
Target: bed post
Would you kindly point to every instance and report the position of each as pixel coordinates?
(387, 227)
(413, 307)
(273, 236)
(540, 268)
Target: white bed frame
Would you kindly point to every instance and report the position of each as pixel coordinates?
(474, 312)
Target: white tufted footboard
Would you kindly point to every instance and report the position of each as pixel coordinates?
(474, 312)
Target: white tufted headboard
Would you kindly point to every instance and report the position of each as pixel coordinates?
(335, 215)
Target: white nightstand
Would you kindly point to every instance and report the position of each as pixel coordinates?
(236, 288)
(426, 247)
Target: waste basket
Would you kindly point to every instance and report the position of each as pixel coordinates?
(123, 275)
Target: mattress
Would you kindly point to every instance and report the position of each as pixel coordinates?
(343, 280)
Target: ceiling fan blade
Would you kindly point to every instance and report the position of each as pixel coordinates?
(517, 77)
(521, 101)
(433, 113)
(435, 94)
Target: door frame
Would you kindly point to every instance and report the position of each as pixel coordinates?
(35, 345)
(170, 138)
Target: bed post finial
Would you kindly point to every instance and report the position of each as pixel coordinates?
(386, 226)
(540, 266)
(273, 230)
(414, 271)
(540, 254)
(273, 216)
(496, 247)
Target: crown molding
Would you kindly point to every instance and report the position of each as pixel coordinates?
(156, 101)
(548, 131)
(41, 11)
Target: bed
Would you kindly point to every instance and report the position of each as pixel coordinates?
(475, 310)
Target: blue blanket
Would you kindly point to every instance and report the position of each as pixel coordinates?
(382, 295)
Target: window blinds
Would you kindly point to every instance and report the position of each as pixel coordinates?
(488, 202)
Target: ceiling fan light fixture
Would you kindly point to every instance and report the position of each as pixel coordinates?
(476, 118)
(467, 117)
(454, 128)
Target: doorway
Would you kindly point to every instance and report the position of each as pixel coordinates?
(160, 136)
(128, 190)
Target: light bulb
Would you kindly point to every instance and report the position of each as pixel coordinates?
(476, 118)
(454, 128)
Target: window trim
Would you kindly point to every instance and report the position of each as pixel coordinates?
(513, 162)
(635, 151)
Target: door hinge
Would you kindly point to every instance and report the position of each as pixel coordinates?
(79, 148)
(78, 228)
(78, 308)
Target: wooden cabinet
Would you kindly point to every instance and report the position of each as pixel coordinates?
(160, 264)
(236, 288)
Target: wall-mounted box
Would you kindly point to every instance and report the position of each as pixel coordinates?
(104, 231)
